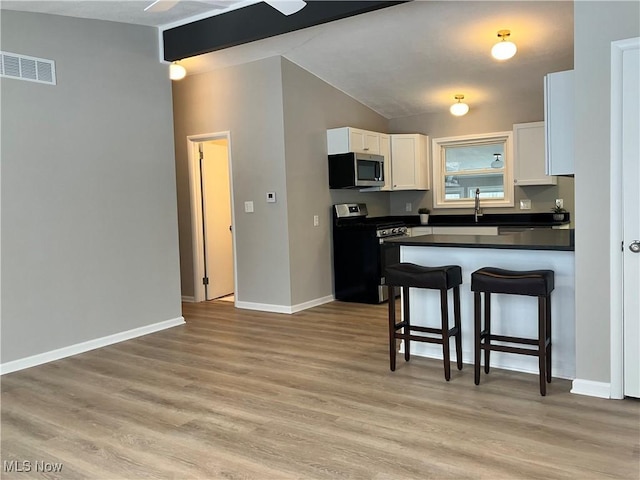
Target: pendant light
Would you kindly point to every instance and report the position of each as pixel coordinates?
(177, 72)
(504, 50)
(459, 109)
(497, 163)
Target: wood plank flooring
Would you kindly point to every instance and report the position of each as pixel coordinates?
(236, 394)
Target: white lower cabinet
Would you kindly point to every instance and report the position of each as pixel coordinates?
(484, 230)
(417, 231)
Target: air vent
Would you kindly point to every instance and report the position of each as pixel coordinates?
(23, 67)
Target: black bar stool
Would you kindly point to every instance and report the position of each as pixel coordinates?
(408, 275)
(535, 283)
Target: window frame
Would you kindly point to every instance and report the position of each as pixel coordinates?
(438, 148)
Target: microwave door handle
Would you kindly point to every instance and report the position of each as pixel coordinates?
(380, 172)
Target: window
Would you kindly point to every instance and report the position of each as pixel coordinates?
(462, 165)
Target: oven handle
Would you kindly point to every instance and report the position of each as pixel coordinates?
(382, 239)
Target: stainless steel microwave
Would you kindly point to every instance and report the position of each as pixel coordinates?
(355, 170)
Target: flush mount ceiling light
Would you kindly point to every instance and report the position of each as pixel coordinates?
(504, 50)
(497, 163)
(177, 72)
(458, 109)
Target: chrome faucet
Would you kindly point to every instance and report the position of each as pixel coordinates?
(478, 210)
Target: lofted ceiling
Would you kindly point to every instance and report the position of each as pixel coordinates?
(400, 61)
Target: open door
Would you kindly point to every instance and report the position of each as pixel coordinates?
(216, 217)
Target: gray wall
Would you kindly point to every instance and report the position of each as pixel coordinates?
(247, 101)
(311, 106)
(485, 119)
(278, 143)
(597, 24)
(89, 243)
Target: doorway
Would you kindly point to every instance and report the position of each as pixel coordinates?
(212, 214)
(625, 219)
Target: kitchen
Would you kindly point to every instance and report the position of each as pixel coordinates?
(116, 270)
(263, 119)
(296, 151)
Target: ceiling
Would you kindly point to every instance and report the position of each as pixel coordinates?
(400, 61)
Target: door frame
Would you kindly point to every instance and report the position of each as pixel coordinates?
(195, 194)
(616, 204)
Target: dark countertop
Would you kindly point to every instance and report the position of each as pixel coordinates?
(488, 219)
(543, 239)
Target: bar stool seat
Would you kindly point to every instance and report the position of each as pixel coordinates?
(536, 283)
(409, 275)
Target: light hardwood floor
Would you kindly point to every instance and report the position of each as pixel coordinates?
(236, 394)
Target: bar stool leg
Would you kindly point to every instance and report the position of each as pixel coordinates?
(392, 328)
(476, 335)
(407, 322)
(444, 314)
(542, 348)
(548, 319)
(487, 328)
(456, 316)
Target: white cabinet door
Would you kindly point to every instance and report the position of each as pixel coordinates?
(529, 158)
(559, 108)
(371, 142)
(349, 139)
(385, 151)
(410, 162)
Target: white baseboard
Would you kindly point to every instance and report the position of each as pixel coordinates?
(188, 299)
(312, 303)
(591, 388)
(71, 350)
(267, 307)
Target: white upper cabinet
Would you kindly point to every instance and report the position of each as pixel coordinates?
(410, 162)
(529, 155)
(559, 108)
(385, 151)
(349, 139)
(406, 156)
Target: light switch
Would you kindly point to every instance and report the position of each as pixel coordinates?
(271, 197)
(248, 207)
(316, 220)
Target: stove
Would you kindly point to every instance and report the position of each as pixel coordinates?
(359, 252)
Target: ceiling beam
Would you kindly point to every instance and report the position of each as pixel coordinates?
(256, 22)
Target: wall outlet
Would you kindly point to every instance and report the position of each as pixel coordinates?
(248, 207)
(559, 202)
(316, 220)
(525, 204)
(408, 207)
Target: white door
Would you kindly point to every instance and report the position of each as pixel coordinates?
(216, 214)
(631, 219)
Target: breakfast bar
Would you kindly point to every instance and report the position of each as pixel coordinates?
(511, 315)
